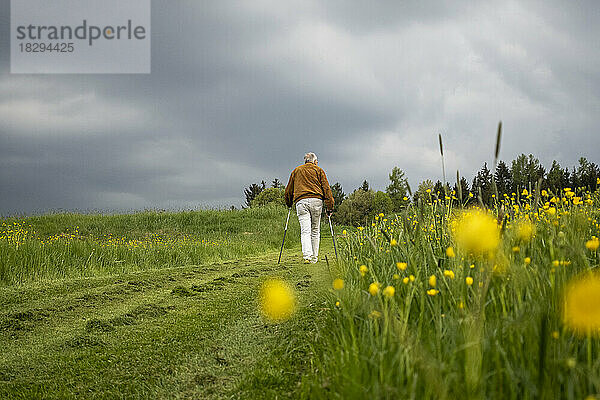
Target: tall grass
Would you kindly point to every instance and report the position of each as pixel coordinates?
(74, 245)
(500, 335)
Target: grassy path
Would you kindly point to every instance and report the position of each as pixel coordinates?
(185, 332)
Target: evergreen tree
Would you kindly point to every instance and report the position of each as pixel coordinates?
(557, 177)
(483, 180)
(364, 187)
(252, 191)
(525, 171)
(421, 192)
(338, 195)
(585, 175)
(397, 188)
(503, 179)
(276, 184)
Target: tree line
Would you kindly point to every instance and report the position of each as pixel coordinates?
(522, 173)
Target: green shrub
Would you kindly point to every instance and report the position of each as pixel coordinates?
(362, 205)
(269, 196)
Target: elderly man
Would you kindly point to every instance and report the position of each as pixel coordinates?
(307, 188)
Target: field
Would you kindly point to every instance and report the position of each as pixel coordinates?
(434, 302)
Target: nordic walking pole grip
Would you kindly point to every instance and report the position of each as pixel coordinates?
(284, 232)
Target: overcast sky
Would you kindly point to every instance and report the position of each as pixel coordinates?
(240, 91)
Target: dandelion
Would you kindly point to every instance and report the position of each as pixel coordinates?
(525, 230)
(432, 292)
(277, 300)
(449, 274)
(344, 232)
(338, 284)
(432, 281)
(363, 270)
(527, 260)
(477, 232)
(405, 280)
(389, 291)
(450, 252)
(592, 244)
(469, 280)
(393, 243)
(581, 307)
(401, 265)
(374, 288)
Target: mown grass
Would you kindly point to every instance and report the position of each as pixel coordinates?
(59, 246)
(501, 336)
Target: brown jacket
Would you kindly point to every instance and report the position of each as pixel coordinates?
(307, 181)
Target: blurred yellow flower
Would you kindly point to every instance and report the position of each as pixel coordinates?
(525, 230)
(396, 276)
(469, 280)
(374, 288)
(592, 244)
(432, 281)
(277, 300)
(393, 243)
(477, 232)
(581, 307)
(516, 249)
(555, 263)
(389, 291)
(525, 192)
(432, 292)
(338, 284)
(344, 232)
(551, 211)
(527, 260)
(555, 335)
(401, 265)
(381, 215)
(363, 270)
(337, 303)
(450, 252)
(449, 274)
(412, 278)
(405, 280)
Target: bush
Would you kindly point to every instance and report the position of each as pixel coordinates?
(361, 206)
(269, 196)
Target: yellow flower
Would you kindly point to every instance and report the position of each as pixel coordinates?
(363, 270)
(592, 244)
(396, 276)
(525, 230)
(277, 300)
(450, 252)
(405, 280)
(527, 260)
(432, 281)
(344, 232)
(551, 211)
(581, 307)
(555, 335)
(597, 181)
(389, 291)
(525, 192)
(338, 284)
(432, 292)
(461, 305)
(374, 288)
(477, 232)
(428, 190)
(469, 280)
(401, 265)
(516, 249)
(337, 303)
(393, 242)
(381, 215)
(449, 274)
(555, 263)
(412, 278)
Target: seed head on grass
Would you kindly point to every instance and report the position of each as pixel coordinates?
(277, 300)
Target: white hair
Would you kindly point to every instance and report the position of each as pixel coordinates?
(310, 157)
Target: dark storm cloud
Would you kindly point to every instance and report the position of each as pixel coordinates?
(239, 92)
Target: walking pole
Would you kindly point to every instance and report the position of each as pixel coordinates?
(333, 237)
(284, 232)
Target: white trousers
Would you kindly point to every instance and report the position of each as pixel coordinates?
(309, 215)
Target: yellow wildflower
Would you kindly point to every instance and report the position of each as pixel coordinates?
(449, 274)
(393, 243)
(527, 260)
(412, 278)
(401, 265)
(338, 284)
(363, 270)
(525, 230)
(277, 300)
(450, 252)
(432, 292)
(374, 288)
(389, 291)
(477, 232)
(581, 307)
(592, 244)
(432, 281)
(469, 280)
(405, 280)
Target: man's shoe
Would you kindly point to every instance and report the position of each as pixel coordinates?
(314, 260)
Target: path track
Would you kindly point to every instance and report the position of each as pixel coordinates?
(185, 332)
